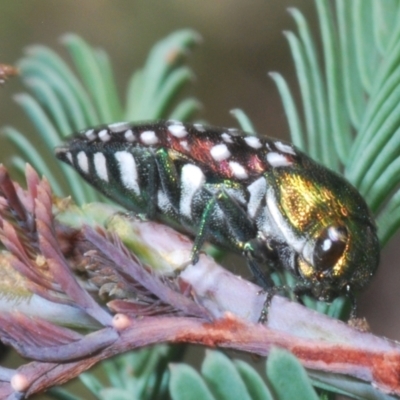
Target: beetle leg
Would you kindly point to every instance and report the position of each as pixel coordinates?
(234, 226)
(262, 275)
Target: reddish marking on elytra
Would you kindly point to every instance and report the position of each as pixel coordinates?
(255, 165)
(225, 169)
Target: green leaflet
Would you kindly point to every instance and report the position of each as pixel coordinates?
(350, 101)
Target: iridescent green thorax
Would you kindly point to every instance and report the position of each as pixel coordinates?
(325, 210)
(257, 196)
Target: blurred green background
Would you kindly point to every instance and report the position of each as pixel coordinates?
(242, 41)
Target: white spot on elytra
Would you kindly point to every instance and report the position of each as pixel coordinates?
(149, 137)
(104, 135)
(90, 134)
(257, 191)
(100, 165)
(129, 136)
(119, 127)
(277, 160)
(185, 145)
(178, 131)
(220, 152)
(163, 202)
(227, 138)
(128, 170)
(192, 179)
(199, 127)
(253, 142)
(83, 161)
(285, 148)
(238, 170)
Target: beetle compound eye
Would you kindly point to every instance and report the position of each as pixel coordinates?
(329, 247)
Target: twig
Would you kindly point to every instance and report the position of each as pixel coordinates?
(202, 304)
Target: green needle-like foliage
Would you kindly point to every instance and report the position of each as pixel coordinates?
(350, 114)
(137, 375)
(348, 120)
(64, 102)
(223, 379)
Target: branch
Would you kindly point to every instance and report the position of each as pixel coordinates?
(126, 305)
